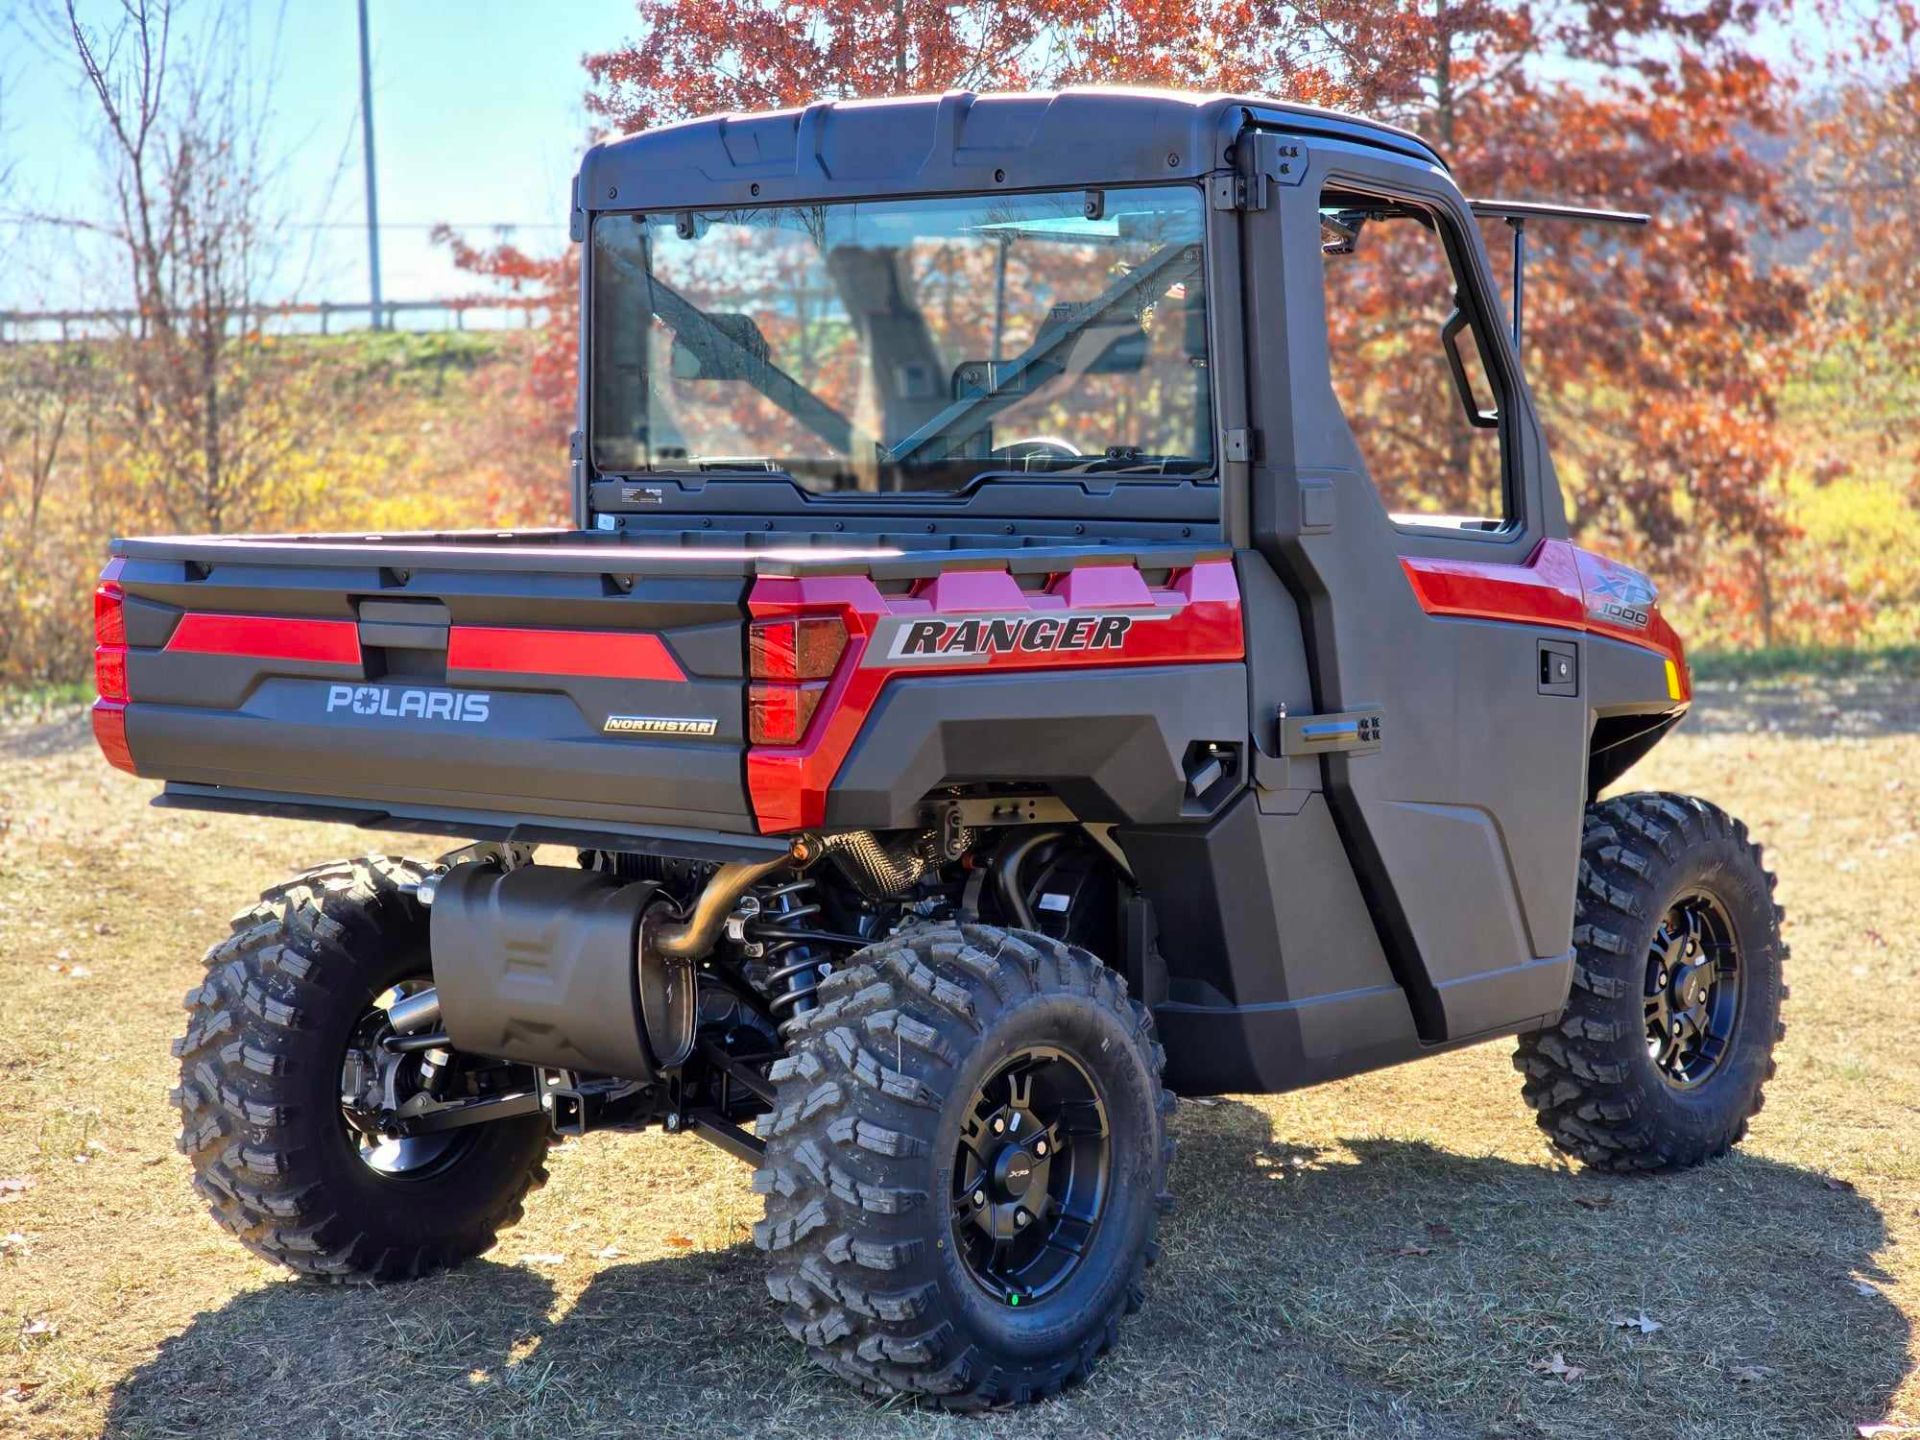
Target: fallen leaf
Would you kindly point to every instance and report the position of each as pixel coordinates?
(1594, 1202)
(543, 1258)
(20, 1391)
(78, 972)
(32, 1329)
(1833, 1182)
(1642, 1322)
(1411, 1250)
(14, 1244)
(611, 1252)
(1862, 1287)
(13, 1189)
(679, 1242)
(1558, 1366)
(1205, 1102)
(1439, 1230)
(1751, 1374)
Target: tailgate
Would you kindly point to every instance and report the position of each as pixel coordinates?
(575, 695)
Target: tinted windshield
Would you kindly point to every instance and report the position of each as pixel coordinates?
(906, 345)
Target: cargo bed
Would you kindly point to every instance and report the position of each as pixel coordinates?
(539, 684)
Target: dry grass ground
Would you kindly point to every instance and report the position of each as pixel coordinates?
(1394, 1255)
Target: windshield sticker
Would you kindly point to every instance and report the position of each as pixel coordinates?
(1617, 593)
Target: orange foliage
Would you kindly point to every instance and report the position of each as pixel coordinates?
(536, 402)
(1657, 357)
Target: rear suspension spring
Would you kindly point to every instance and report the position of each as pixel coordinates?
(787, 928)
(798, 964)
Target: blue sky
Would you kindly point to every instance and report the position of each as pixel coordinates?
(478, 120)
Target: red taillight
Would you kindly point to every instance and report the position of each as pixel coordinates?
(110, 669)
(801, 649)
(110, 733)
(789, 662)
(110, 638)
(109, 619)
(110, 672)
(779, 714)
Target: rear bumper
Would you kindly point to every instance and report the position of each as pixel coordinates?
(466, 822)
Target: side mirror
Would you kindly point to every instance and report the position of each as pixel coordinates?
(1466, 362)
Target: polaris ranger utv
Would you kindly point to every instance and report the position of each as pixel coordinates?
(1012, 666)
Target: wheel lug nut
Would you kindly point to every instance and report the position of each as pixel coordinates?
(999, 1124)
(979, 1197)
(1020, 1218)
(1040, 1148)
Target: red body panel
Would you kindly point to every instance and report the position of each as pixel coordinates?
(606, 654)
(1195, 618)
(267, 637)
(1558, 584)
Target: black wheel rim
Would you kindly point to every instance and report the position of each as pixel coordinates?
(1692, 992)
(410, 1157)
(1030, 1175)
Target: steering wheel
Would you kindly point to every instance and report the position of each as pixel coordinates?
(1039, 447)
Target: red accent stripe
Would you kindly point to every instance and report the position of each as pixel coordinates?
(267, 637)
(1552, 586)
(602, 654)
(789, 783)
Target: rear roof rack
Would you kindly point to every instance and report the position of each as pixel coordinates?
(1518, 212)
(1546, 210)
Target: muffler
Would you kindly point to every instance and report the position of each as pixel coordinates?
(544, 965)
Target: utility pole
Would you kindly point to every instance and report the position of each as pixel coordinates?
(366, 136)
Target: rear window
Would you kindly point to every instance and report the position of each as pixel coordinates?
(906, 345)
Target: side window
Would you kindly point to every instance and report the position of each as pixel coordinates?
(1408, 366)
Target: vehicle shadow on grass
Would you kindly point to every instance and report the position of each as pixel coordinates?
(1380, 1288)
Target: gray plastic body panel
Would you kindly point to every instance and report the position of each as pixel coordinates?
(957, 143)
(332, 567)
(539, 748)
(1108, 742)
(1463, 827)
(1275, 976)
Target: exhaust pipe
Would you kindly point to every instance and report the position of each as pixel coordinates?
(419, 1011)
(693, 937)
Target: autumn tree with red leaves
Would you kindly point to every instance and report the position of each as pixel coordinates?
(1657, 358)
(1866, 159)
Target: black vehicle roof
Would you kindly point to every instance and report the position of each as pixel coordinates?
(957, 142)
